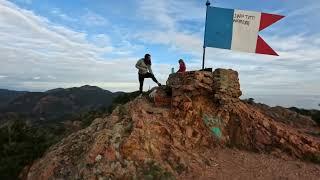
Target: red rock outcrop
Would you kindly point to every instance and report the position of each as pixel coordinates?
(216, 97)
(141, 140)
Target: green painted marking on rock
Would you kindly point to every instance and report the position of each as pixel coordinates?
(214, 124)
(216, 131)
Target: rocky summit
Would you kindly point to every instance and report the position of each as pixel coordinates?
(195, 127)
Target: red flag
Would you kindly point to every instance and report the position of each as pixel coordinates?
(264, 48)
(266, 20)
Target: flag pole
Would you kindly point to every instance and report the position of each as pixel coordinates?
(204, 39)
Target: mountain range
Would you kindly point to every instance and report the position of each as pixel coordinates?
(7, 96)
(53, 105)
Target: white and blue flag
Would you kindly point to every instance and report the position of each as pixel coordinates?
(238, 30)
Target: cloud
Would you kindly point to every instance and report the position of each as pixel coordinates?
(165, 23)
(26, 1)
(38, 55)
(306, 10)
(183, 42)
(162, 17)
(101, 40)
(93, 19)
(169, 14)
(57, 12)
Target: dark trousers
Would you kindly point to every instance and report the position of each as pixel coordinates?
(142, 77)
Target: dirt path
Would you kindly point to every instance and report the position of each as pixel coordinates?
(234, 164)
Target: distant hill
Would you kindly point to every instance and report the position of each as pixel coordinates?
(57, 104)
(299, 117)
(30, 122)
(314, 114)
(8, 95)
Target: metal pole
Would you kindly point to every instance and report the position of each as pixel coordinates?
(204, 39)
(203, 56)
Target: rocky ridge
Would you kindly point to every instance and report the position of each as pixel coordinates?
(176, 134)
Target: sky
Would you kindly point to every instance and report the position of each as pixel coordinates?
(48, 44)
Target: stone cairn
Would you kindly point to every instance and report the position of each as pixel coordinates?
(221, 86)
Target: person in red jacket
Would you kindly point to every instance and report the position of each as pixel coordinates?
(182, 66)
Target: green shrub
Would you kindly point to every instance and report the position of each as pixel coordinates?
(153, 171)
(20, 145)
(315, 158)
(123, 99)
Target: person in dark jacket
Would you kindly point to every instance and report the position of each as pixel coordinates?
(182, 66)
(145, 71)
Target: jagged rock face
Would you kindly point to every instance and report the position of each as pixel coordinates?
(216, 97)
(135, 137)
(141, 140)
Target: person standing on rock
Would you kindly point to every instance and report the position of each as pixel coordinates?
(145, 71)
(182, 66)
